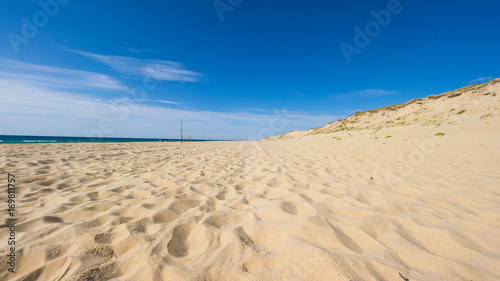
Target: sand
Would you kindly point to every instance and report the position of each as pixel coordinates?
(348, 205)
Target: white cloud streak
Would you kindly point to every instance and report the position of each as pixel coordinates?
(166, 101)
(368, 93)
(159, 69)
(480, 80)
(139, 51)
(54, 77)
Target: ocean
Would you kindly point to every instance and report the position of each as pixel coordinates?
(46, 139)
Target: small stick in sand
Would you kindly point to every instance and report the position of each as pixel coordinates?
(404, 278)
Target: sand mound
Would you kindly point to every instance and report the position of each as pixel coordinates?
(479, 102)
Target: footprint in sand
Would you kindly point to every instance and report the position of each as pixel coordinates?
(164, 216)
(52, 219)
(177, 246)
(182, 205)
(297, 208)
(218, 221)
(346, 240)
(278, 181)
(48, 182)
(193, 242)
(103, 238)
(93, 195)
(289, 207)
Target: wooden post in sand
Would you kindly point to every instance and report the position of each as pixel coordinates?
(181, 131)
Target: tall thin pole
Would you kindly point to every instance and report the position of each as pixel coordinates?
(181, 131)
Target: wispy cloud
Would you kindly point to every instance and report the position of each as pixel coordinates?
(158, 69)
(139, 51)
(368, 93)
(50, 77)
(480, 80)
(250, 109)
(267, 111)
(159, 101)
(29, 110)
(167, 102)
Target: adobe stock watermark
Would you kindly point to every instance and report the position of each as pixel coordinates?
(123, 106)
(423, 150)
(362, 37)
(30, 28)
(224, 6)
(276, 125)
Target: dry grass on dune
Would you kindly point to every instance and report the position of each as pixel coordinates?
(470, 103)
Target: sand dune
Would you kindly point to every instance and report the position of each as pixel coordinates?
(470, 104)
(344, 205)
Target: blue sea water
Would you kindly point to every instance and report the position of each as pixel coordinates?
(39, 139)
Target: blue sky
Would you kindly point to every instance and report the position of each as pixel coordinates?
(231, 69)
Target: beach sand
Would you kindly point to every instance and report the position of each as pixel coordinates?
(348, 205)
(286, 210)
